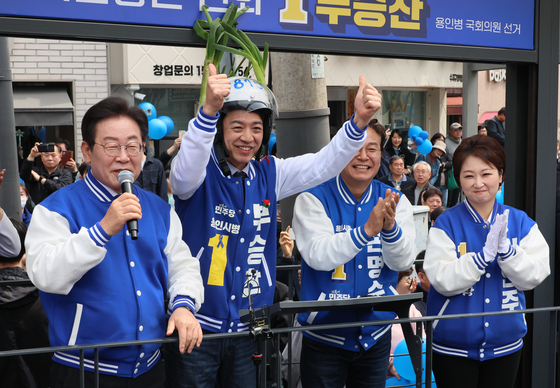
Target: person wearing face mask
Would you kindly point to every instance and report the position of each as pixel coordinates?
(44, 180)
(25, 214)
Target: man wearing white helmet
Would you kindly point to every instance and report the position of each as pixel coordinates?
(227, 203)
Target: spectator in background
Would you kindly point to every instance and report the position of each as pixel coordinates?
(82, 170)
(432, 198)
(452, 142)
(482, 130)
(152, 177)
(70, 164)
(423, 282)
(496, 127)
(422, 172)
(480, 257)
(23, 324)
(436, 213)
(166, 156)
(453, 138)
(44, 180)
(24, 198)
(397, 177)
(433, 159)
(405, 285)
(444, 168)
(396, 146)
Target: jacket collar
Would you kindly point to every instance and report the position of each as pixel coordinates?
(477, 217)
(347, 196)
(102, 192)
(249, 168)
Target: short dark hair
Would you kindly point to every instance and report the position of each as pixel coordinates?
(485, 148)
(112, 107)
(419, 263)
(22, 231)
(83, 168)
(395, 157)
(431, 192)
(404, 273)
(502, 111)
(378, 128)
(436, 137)
(66, 143)
(438, 211)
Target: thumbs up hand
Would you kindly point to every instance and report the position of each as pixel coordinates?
(217, 87)
(366, 104)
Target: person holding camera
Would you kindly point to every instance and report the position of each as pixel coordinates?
(45, 179)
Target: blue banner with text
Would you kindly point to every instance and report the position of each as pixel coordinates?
(495, 23)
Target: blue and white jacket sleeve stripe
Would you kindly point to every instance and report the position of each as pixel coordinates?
(353, 131)
(392, 235)
(360, 237)
(511, 252)
(98, 235)
(478, 259)
(206, 122)
(183, 301)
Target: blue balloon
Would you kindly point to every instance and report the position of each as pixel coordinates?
(149, 109)
(403, 365)
(424, 135)
(168, 123)
(418, 141)
(157, 129)
(402, 361)
(425, 148)
(271, 143)
(414, 131)
(500, 195)
(42, 134)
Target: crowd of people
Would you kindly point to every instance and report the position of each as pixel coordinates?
(184, 249)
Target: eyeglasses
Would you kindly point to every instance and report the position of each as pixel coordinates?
(421, 172)
(113, 148)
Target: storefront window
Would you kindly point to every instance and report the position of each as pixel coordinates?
(403, 109)
(178, 104)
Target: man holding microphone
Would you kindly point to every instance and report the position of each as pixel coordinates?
(97, 283)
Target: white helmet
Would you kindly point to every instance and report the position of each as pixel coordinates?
(252, 96)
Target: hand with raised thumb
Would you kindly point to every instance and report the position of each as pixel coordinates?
(366, 103)
(217, 87)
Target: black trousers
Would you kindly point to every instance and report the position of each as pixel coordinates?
(459, 372)
(63, 376)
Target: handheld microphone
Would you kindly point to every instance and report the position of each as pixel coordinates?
(126, 179)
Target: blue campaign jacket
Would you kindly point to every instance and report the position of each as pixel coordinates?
(365, 274)
(236, 235)
(480, 338)
(120, 299)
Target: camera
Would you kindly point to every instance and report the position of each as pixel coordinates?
(46, 147)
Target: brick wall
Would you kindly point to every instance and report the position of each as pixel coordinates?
(85, 63)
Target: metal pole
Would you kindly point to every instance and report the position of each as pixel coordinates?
(9, 193)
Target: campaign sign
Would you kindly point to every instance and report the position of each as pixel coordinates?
(499, 23)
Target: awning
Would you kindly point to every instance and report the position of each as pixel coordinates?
(487, 116)
(42, 106)
(455, 105)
